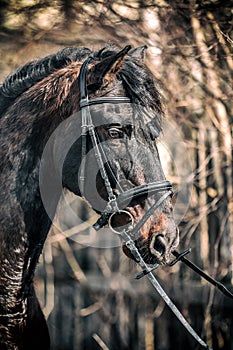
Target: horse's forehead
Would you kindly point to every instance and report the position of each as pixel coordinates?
(140, 118)
(110, 113)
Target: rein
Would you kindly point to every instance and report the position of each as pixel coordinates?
(148, 271)
(116, 204)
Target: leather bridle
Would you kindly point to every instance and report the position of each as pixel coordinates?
(115, 204)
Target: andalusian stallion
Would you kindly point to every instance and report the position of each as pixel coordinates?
(34, 101)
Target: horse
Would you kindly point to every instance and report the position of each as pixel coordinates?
(34, 101)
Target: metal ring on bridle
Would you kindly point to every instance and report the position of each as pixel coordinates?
(130, 223)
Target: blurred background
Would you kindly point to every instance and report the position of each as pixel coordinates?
(88, 294)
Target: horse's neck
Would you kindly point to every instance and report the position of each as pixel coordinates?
(23, 138)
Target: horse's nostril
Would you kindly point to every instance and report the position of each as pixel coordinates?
(157, 245)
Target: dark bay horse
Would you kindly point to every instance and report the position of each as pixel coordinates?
(34, 101)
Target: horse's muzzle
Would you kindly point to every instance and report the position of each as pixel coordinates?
(157, 249)
(161, 245)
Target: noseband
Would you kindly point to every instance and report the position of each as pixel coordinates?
(116, 204)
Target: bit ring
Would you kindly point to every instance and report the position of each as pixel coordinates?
(119, 229)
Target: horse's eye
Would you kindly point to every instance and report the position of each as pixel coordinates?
(114, 133)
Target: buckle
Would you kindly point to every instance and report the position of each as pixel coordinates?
(179, 256)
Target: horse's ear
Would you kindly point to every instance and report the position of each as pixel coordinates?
(105, 71)
(139, 52)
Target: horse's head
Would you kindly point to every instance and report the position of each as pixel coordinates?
(125, 142)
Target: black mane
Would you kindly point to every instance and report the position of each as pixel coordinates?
(31, 73)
